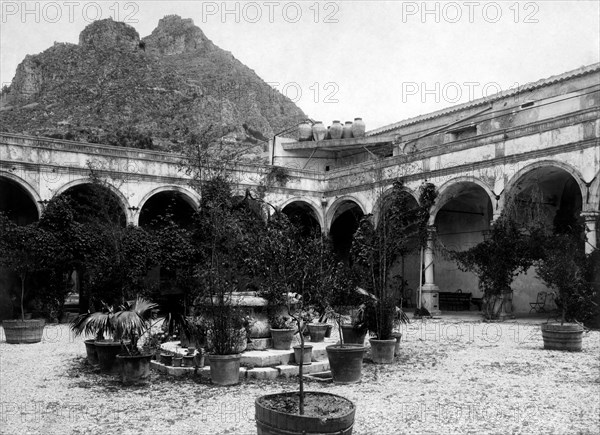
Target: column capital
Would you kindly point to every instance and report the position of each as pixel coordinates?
(590, 215)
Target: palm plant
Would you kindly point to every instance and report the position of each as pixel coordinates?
(126, 325)
(99, 324)
(132, 322)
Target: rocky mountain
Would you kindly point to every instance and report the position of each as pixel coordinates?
(160, 92)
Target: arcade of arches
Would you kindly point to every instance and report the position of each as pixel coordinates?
(534, 150)
(463, 213)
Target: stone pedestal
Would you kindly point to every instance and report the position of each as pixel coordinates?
(430, 299)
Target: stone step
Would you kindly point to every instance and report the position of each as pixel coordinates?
(267, 357)
(285, 370)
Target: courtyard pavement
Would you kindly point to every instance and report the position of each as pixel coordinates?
(454, 375)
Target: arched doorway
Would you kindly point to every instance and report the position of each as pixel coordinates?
(172, 204)
(16, 202)
(462, 218)
(96, 203)
(344, 223)
(303, 215)
(99, 207)
(549, 194)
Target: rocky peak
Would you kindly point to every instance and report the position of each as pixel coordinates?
(175, 35)
(108, 33)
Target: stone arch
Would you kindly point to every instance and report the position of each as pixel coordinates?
(378, 203)
(559, 186)
(551, 193)
(307, 203)
(27, 189)
(446, 190)
(190, 197)
(333, 210)
(461, 216)
(343, 218)
(120, 197)
(518, 176)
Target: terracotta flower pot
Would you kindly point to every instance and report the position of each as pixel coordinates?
(134, 369)
(346, 362)
(282, 338)
(90, 350)
(225, 369)
(317, 331)
(351, 335)
(306, 357)
(382, 351)
(166, 359)
(107, 351)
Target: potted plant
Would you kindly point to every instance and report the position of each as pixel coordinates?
(318, 329)
(566, 268)
(130, 324)
(225, 232)
(96, 324)
(282, 332)
(401, 228)
(345, 358)
(106, 344)
(509, 248)
(297, 271)
(22, 251)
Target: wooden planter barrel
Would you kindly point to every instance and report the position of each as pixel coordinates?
(275, 422)
(562, 337)
(23, 331)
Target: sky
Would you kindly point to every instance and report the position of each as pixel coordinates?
(383, 61)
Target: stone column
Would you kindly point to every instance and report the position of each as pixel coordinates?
(430, 291)
(590, 218)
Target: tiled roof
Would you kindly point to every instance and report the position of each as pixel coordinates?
(527, 87)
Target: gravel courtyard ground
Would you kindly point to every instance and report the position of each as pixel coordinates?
(463, 377)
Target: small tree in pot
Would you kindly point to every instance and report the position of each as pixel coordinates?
(509, 249)
(297, 272)
(565, 267)
(345, 359)
(224, 239)
(401, 228)
(25, 251)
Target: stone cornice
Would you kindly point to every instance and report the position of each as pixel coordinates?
(499, 136)
(474, 166)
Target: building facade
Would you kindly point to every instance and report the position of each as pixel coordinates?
(538, 144)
